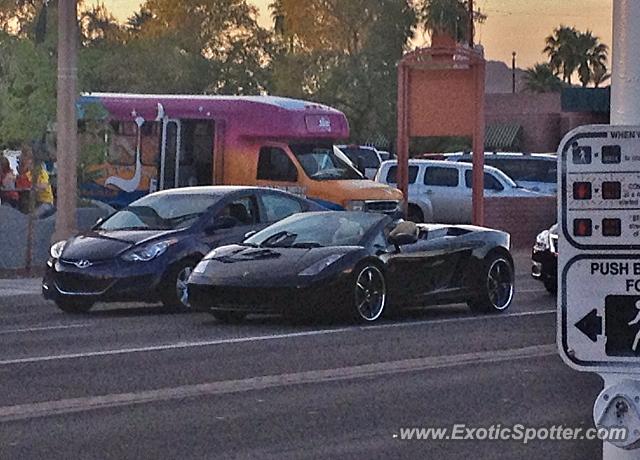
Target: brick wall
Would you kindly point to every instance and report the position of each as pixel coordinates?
(522, 217)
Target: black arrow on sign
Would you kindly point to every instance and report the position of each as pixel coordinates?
(591, 325)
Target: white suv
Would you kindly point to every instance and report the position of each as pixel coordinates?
(440, 191)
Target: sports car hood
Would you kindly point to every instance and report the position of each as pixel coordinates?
(242, 265)
(100, 245)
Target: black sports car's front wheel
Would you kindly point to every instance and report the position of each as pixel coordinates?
(496, 285)
(370, 294)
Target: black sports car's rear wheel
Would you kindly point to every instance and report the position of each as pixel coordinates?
(496, 286)
(74, 306)
(370, 294)
(229, 317)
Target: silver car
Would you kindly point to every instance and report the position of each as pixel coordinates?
(440, 191)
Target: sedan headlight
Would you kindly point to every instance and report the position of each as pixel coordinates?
(356, 205)
(317, 267)
(147, 252)
(57, 248)
(542, 241)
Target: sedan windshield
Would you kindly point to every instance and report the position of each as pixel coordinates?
(160, 212)
(322, 162)
(317, 230)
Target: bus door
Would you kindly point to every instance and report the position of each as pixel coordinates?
(170, 154)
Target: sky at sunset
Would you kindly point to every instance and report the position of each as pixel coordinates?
(512, 25)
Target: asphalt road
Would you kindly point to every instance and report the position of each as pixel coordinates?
(129, 381)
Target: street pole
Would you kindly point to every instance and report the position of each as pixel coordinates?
(513, 72)
(66, 124)
(625, 110)
(471, 26)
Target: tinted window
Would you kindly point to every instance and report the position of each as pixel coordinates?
(244, 210)
(321, 162)
(318, 229)
(525, 169)
(278, 207)
(490, 182)
(274, 164)
(160, 212)
(366, 158)
(393, 172)
(443, 177)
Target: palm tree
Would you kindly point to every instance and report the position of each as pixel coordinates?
(541, 79)
(561, 48)
(449, 17)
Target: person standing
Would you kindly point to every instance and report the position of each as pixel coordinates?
(38, 181)
(8, 192)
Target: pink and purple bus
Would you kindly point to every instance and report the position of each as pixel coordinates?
(155, 142)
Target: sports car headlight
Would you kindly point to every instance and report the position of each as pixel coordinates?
(201, 267)
(542, 241)
(148, 252)
(57, 248)
(317, 267)
(356, 205)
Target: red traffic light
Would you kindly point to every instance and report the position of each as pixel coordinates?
(582, 190)
(582, 227)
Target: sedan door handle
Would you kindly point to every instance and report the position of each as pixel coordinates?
(429, 192)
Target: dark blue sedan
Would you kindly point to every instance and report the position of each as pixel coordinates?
(146, 251)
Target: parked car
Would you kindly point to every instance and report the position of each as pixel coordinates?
(535, 171)
(544, 259)
(440, 191)
(354, 264)
(147, 250)
(366, 159)
(384, 155)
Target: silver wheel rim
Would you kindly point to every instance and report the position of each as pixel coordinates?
(181, 286)
(500, 284)
(370, 293)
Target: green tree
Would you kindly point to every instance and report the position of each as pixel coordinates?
(571, 51)
(593, 57)
(344, 54)
(541, 79)
(449, 17)
(27, 90)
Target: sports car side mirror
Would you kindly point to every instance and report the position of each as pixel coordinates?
(404, 233)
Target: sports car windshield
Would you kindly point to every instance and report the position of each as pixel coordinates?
(322, 162)
(317, 230)
(160, 212)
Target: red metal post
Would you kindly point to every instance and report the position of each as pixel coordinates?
(402, 174)
(478, 145)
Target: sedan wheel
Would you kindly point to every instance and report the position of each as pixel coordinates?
(497, 291)
(370, 294)
(174, 293)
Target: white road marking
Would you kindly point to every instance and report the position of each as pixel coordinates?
(9, 292)
(249, 339)
(43, 328)
(67, 406)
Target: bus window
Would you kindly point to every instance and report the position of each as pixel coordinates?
(196, 157)
(122, 143)
(275, 165)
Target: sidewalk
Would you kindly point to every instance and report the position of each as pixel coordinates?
(20, 286)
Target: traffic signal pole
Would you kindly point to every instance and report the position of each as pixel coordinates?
(625, 110)
(66, 124)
